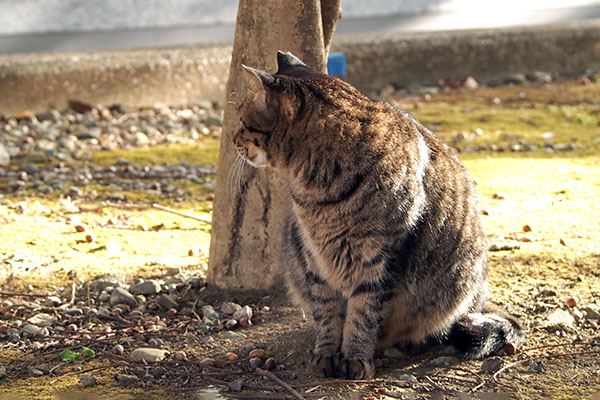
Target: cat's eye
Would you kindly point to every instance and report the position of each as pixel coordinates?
(256, 143)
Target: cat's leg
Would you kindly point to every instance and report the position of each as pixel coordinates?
(365, 312)
(326, 306)
(328, 309)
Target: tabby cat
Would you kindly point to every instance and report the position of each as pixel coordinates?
(384, 243)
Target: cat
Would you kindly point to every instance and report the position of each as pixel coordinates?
(384, 243)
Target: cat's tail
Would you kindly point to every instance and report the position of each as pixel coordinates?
(478, 335)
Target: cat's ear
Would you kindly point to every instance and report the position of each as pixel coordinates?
(256, 86)
(289, 64)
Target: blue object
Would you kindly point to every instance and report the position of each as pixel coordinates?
(336, 65)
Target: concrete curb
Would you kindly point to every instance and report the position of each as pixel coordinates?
(199, 73)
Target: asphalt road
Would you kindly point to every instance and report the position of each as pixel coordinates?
(223, 33)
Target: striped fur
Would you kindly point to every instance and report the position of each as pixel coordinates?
(384, 244)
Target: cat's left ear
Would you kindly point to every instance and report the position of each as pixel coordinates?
(256, 84)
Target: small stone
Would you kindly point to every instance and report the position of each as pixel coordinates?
(118, 349)
(492, 365)
(560, 320)
(527, 228)
(592, 311)
(255, 362)
(207, 362)
(87, 380)
(4, 156)
(563, 242)
(270, 363)
(72, 328)
(148, 354)
(53, 301)
(233, 335)
(407, 378)
(122, 296)
(510, 349)
(229, 356)
(148, 287)
(235, 386)
(260, 353)
(158, 372)
(231, 324)
(245, 322)
(244, 312)
(571, 302)
(80, 106)
(42, 319)
(210, 313)
(34, 330)
(499, 196)
(180, 355)
(228, 308)
(104, 312)
(166, 301)
(393, 352)
(126, 380)
(35, 372)
(80, 228)
(2, 372)
(90, 238)
(74, 311)
(536, 366)
(471, 83)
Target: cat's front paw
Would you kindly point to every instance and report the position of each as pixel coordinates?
(356, 369)
(325, 364)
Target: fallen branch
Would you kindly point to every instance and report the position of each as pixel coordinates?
(271, 376)
(172, 211)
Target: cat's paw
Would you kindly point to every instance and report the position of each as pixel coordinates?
(325, 364)
(356, 369)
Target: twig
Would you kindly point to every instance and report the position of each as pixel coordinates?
(435, 385)
(172, 211)
(75, 373)
(344, 381)
(281, 383)
(73, 292)
(13, 294)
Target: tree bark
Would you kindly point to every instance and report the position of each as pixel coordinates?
(247, 226)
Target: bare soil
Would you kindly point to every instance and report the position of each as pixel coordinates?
(540, 211)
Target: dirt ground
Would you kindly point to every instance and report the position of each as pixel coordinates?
(534, 151)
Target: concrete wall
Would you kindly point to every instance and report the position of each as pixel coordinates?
(193, 74)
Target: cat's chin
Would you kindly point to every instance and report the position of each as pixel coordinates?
(259, 160)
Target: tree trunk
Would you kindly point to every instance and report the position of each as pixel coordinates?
(247, 226)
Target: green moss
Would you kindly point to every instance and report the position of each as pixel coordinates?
(203, 152)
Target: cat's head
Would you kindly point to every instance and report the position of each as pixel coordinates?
(271, 104)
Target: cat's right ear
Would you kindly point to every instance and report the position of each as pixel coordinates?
(256, 86)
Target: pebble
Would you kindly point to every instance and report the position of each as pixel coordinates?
(228, 308)
(232, 335)
(592, 311)
(492, 365)
(148, 354)
(255, 362)
(148, 287)
(260, 353)
(229, 356)
(235, 386)
(270, 363)
(42, 319)
(34, 330)
(87, 380)
(105, 281)
(244, 312)
(126, 380)
(166, 301)
(118, 349)
(407, 378)
(35, 372)
(180, 355)
(210, 313)
(104, 312)
(122, 296)
(4, 156)
(560, 320)
(443, 361)
(2, 371)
